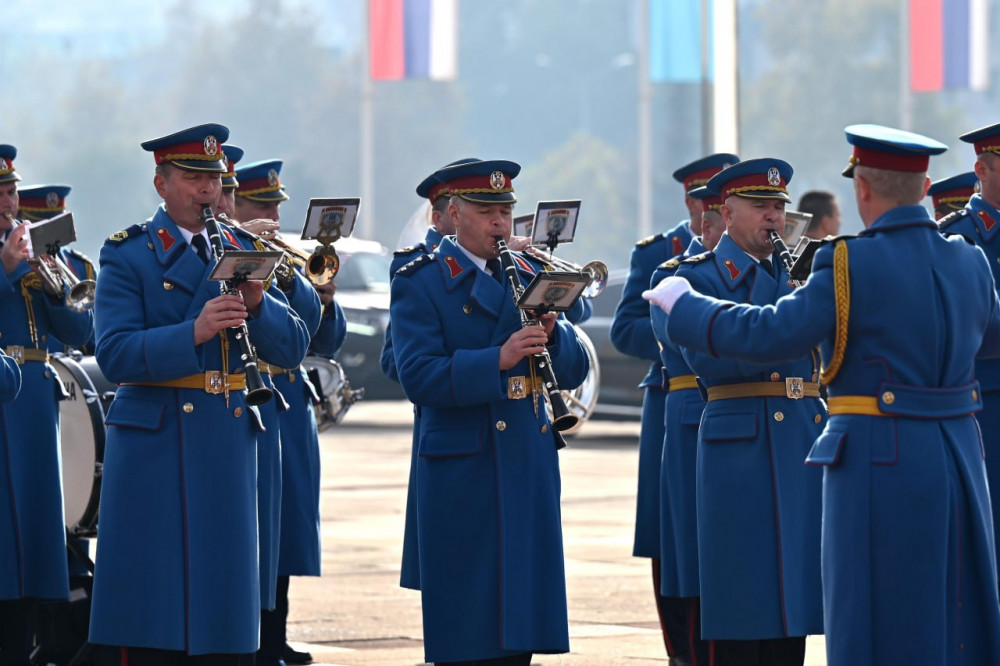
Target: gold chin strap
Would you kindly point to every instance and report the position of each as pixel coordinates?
(842, 298)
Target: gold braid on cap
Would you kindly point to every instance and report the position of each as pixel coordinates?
(944, 200)
(757, 188)
(174, 157)
(842, 297)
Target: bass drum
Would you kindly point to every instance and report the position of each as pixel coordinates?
(81, 431)
(582, 400)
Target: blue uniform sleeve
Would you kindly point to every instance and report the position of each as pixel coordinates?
(278, 332)
(631, 332)
(707, 328)
(580, 312)
(332, 332)
(10, 378)
(305, 301)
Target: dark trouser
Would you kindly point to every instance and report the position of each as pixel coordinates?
(273, 623)
(673, 612)
(699, 650)
(771, 652)
(16, 630)
(515, 660)
(132, 656)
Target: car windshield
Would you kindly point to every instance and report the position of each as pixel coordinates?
(364, 271)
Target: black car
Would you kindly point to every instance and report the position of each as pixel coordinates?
(619, 397)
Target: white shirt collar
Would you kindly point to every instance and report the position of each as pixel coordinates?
(477, 260)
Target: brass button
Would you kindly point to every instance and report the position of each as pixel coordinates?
(815, 378)
(775, 377)
(778, 416)
(188, 408)
(888, 397)
(149, 245)
(975, 395)
(291, 377)
(238, 412)
(168, 285)
(48, 375)
(501, 426)
(545, 429)
(467, 309)
(1, 334)
(45, 338)
(818, 418)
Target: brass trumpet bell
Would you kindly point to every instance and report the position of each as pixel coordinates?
(322, 265)
(598, 272)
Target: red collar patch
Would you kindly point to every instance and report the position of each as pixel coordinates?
(733, 271)
(678, 246)
(166, 240)
(453, 266)
(987, 219)
(230, 237)
(524, 264)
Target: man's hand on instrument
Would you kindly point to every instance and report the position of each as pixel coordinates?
(326, 292)
(262, 227)
(218, 314)
(667, 293)
(15, 249)
(523, 342)
(548, 321)
(253, 293)
(518, 243)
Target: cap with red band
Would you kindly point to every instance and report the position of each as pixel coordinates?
(7, 172)
(479, 181)
(195, 149)
(698, 173)
(40, 202)
(890, 149)
(760, 178)
(984, 139)
(954, 192)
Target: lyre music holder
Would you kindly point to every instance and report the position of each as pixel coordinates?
(554, 223)
(553, 291)
(239, 266)
(51, 235)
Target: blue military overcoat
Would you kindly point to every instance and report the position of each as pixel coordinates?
(632, 335)
(758, 504)
(679, 463)
(490, 538)
(301, 543)
(271, 451)
(980, 223)
(409, 570)
(10, 377)
(83, 269)
(908, 559)
(177, 556)
(32, 525)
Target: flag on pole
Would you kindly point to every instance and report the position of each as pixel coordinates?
(675, 33)
(413, 39)
(948, 45)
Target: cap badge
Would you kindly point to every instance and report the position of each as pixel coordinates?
(774, 176)
(497, 180)
(3, 164)
(211, 145)
(272, 177)
(51, 200)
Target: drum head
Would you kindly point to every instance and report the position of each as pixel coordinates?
(81, 432)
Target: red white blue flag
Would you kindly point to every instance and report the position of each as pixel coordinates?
(948, 45)
(413, 39)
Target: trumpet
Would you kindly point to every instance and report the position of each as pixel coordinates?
(57, 278)
(320, 267)
(597, 271)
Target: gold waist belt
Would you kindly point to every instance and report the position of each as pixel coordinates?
(793, 388)
(854, 404)
(273, 369)
(21, 354)
(521, 386)
(213, 382)
(683, 382)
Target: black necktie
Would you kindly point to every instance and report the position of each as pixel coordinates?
(200, 245)
(766, 265)
(495, 268)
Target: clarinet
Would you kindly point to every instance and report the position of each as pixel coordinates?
(257, 393)
(562, 419)
(784, 254)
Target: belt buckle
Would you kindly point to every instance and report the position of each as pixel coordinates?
(517, 387)
(215, 383)
(16, 352)
(794, 388)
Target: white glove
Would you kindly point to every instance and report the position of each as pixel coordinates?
(667, 292)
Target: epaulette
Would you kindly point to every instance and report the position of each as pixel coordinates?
(698, 258)
(416, 264)
(80, 255)
(409, 249)
(669, 264)
(650, 239)
(952, 218)
(121, 236)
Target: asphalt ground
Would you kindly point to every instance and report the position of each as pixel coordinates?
(356, 613)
